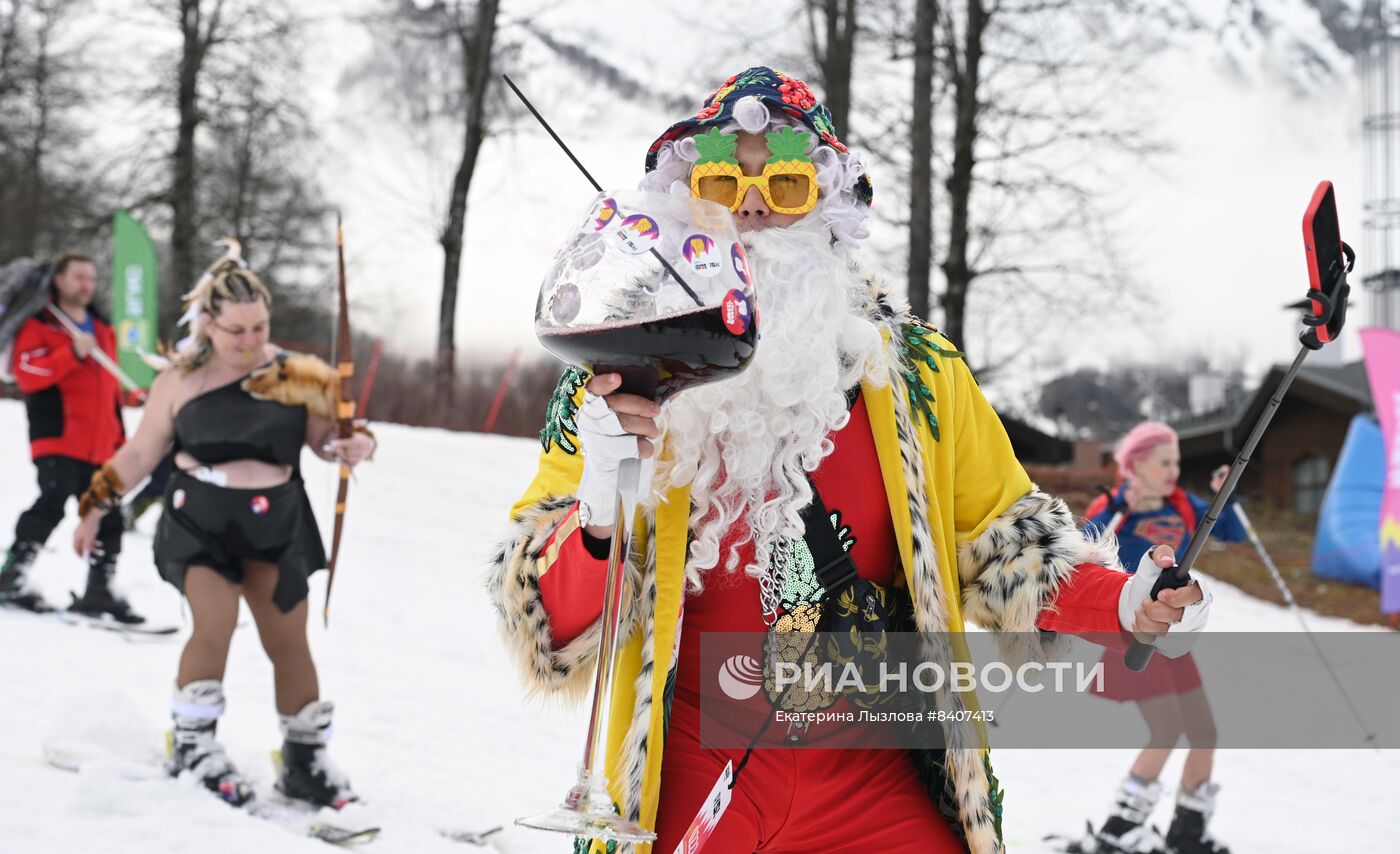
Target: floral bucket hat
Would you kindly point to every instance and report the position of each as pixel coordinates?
(778, 92)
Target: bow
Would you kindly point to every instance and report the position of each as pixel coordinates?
(344, 409)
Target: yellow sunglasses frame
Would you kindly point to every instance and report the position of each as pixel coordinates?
(770, 170)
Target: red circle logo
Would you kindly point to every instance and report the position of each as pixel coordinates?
(259, 504)
(735, 312)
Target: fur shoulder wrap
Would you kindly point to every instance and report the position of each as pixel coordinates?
(296, 379)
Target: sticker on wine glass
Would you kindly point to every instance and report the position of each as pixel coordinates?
(637, 233)
(603, 213)
(565, 304)
(587, 251)
(699, 252)
(741, 263)
(735, 312)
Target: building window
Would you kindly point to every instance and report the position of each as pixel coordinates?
(1309, 483)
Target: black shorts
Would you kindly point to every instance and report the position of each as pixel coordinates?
(220, 527)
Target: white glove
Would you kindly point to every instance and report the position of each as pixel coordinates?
(1193, 618)
(605, 445)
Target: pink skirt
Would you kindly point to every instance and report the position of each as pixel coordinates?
(1162, 676)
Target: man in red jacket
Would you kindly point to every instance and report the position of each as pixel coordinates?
(75, 423)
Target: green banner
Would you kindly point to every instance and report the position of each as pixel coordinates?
(133, 296)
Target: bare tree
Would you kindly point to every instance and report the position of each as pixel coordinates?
(831, 32)
(40, 79)
(201, 30)
(1035, 103)
(964, 69)
(1048, 96)
(921, 158)
(242, 161)
(433, 66)
(259, 186)
(475, 39)
(12, 37)
(50, 196)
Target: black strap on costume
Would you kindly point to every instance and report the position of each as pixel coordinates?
(836, 570)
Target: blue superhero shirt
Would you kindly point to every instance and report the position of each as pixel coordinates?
(1170, 525)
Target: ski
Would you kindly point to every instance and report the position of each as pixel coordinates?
(37, 607)
(303, 819)
(1092, 843)
(1085, 844)
(129, 631)
(481, 839)
(107, 624)
(292, 817)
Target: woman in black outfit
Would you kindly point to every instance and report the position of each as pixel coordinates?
(237, 522)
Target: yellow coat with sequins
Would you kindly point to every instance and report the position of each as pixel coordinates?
(977, 542)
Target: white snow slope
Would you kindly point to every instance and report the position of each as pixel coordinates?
(431, 727)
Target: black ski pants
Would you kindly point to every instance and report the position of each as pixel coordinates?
(61, 478)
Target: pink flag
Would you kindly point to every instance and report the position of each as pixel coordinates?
(1382, 348)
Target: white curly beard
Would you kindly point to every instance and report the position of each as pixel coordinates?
(745, 445)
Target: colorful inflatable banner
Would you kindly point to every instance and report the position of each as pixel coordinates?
(133, 296)
(1383, 367)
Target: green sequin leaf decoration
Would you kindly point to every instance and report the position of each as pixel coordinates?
(995, 794)
(560, 424)
(915, 346)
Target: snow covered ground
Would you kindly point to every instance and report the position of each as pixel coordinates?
(430, 725)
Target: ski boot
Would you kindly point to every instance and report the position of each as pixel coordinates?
(99, 600)
(1187, 834)
(1126, 830)
(14, 578)
(195, 709)
(306, 774)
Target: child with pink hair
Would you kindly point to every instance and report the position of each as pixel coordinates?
(1150, 508)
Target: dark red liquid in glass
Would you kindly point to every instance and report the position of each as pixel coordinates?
(658, 358)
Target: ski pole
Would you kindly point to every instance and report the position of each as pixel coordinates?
(98, 354)
(1298, 612)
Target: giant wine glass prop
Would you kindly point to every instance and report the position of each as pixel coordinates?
(1329, 261)
(656, 288)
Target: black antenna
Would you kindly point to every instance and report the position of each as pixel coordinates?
(539, 118)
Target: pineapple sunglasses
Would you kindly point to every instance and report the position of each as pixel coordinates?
(788, 182)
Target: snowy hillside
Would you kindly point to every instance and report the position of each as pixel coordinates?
(430, 725)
